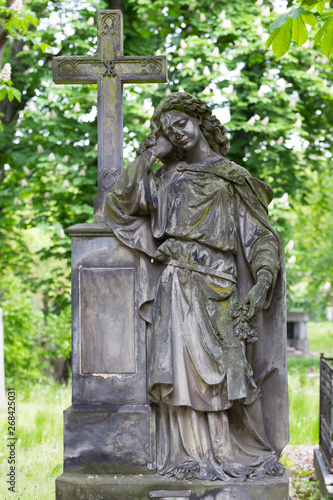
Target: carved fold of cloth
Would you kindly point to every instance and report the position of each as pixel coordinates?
(218, 399)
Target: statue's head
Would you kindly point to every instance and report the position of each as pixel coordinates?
(211, 128)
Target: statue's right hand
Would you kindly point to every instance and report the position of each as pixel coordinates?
(162, 147)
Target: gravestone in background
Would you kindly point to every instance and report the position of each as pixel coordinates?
(297, 331)
(114, 436)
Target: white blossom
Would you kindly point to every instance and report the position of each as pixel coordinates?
(290, 245)
(292, 259)
(16, 201)
(50, 97)
(298, 123)
(91, 21)
(280, 140)
(284, 198)
(251, 121)
(181, 53)
(271, 205)
(65, 184)
(27, 171)
(229, 89)
(24, 183)
(61, 235)
(40, 149)
(206, 71)
(77, 107)
(265, 37)
(257, 22)
(168, 92)
(215, 67)
(65, 159)
(259, 3)
(51, 157)
(190, 64)
(216, 52)
(6, 72)
(311, 70)
(292, 103)
(181, 89)
(261, 92)
(245, 43)
(202, 17)
(226, 24)
(282, 86)
(96, 147)
(25, 48)
(82, 173)
(260, 30)
(183, 44)
(206, 91)
(47, 194)
(265, 121)
(47, 115)
(325, 82)
(53, 114)
(76, 16)
(222, 15)
(265, 11)
(32, 107)
(16, 6)
(331, 90)
(270, 75)
(195, 77)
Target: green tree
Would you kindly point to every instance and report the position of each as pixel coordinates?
(279, 126)
(294, 25)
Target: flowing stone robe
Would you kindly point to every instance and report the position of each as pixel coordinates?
(205, 226)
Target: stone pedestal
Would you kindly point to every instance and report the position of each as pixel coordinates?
(144, 487)
(110, 426)
(323, 476)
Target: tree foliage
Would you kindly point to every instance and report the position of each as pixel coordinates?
(279, 128)
(296, 23)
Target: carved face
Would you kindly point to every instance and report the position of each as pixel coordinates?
(181, 129)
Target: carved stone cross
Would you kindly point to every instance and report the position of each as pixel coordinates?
(109, 69)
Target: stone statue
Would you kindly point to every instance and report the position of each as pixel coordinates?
(214, 301)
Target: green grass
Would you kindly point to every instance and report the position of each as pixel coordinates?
(321, 338)
(40, 443)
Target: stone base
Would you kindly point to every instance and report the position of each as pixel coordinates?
(109, 439)
(323, 476)
(72, 486)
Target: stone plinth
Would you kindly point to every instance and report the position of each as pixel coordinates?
(110, 426)
(145, 487)
(323, 476)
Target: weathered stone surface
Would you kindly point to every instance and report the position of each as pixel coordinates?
(108, 335)
(135, 487)
(107, 328)
(109, 439)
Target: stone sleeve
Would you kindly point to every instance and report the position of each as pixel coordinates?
(259, 246)
(133, 193)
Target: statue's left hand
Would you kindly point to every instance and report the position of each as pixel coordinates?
(256, 298)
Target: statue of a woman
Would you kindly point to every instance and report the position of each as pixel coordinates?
(216, 349)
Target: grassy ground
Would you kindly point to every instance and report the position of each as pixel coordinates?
(39, 427)
(39, 445)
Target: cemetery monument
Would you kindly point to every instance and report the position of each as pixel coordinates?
(179, 313)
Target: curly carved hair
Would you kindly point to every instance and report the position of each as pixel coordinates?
(210, 126)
